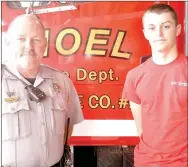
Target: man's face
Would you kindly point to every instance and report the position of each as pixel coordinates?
(27, 42)
(161, 31)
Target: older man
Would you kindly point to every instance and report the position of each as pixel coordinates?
(33, 131)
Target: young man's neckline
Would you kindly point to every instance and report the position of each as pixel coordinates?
(165, 65)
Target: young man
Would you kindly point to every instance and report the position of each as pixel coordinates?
(33, 132)
(157, 91)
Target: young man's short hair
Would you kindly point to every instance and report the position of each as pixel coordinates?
(162, 8)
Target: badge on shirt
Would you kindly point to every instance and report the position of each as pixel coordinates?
(11, 97)
(56, 87)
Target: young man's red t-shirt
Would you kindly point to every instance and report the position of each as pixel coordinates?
(161, 90)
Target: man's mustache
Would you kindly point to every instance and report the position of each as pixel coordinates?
(30, 52)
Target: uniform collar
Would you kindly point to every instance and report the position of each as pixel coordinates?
(44, 73)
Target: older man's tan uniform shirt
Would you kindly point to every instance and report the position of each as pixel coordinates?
(33, 133)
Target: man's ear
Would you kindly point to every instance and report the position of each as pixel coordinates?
(178, 29)
(45, 45)
(46, 42)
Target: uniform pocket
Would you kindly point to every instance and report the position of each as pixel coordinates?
(16, 122)
(58, 116)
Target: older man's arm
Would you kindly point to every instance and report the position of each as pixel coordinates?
(74, 109)
(70, 130)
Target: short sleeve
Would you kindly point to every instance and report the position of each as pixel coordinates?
(129, 90)
(74, 107)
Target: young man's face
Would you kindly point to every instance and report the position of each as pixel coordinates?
(27, 43)
(161, 31)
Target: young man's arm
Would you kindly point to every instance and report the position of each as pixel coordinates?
(136, 112)
(129, 92)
